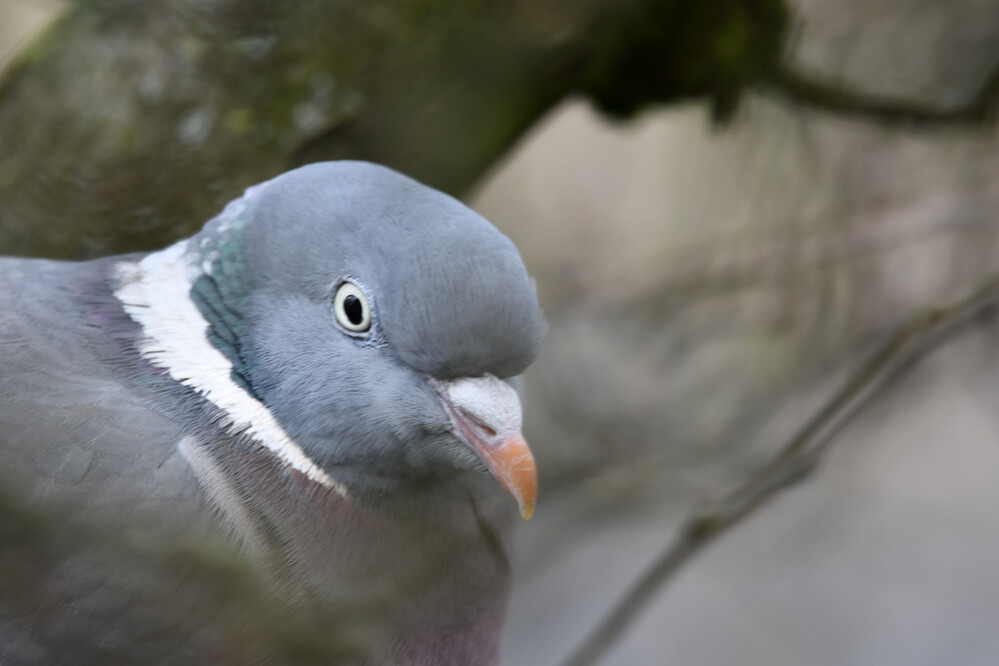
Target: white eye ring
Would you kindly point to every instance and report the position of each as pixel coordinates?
(352, 309)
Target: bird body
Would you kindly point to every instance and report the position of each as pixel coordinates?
(268, 440)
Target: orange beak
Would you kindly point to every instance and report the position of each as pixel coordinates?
(508, 458)
(486, 414)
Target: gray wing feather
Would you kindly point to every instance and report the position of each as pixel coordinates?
(68, 427)
(94, 493)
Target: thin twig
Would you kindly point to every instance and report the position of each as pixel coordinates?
(791, 464)
(824, 93)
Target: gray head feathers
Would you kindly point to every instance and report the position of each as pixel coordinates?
(452, 295)
(448, 295)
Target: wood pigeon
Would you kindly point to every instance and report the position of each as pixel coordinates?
(268, 442)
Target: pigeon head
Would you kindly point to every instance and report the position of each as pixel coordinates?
(361, 326)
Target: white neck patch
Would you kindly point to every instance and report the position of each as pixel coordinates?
(155, 293)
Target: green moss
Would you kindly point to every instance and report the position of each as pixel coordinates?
(239, 120)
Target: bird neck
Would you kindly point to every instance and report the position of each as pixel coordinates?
(167, 294)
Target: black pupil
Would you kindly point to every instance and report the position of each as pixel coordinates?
(353, 309)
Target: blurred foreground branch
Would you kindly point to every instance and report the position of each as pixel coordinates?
(195, 597)
(793, 462)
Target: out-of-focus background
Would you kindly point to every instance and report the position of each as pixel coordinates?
(707, 288)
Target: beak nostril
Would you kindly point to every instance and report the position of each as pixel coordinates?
(486, 429)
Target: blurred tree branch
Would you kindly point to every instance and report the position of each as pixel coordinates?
(812, 90)
(128, 124)
(793, 463)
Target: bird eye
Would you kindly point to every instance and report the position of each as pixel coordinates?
(352, 308)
